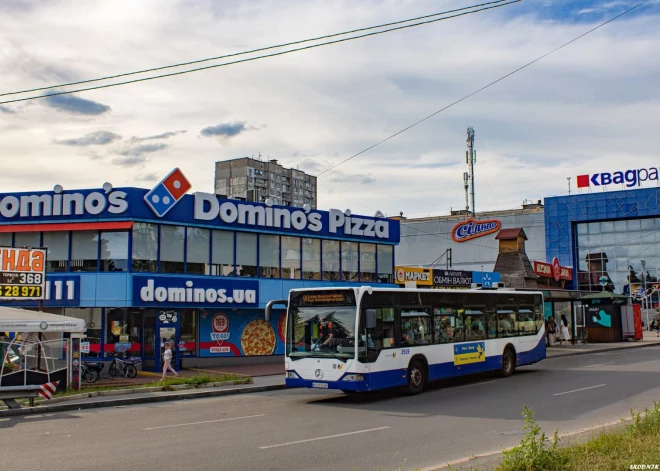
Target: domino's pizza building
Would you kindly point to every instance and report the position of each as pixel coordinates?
(198, 270)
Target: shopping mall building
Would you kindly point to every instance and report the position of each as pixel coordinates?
(140, 266)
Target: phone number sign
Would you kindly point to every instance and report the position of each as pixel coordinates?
(22, 273)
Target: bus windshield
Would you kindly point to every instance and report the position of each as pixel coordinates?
(324, 332)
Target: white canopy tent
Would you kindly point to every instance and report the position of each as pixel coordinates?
(22, 320)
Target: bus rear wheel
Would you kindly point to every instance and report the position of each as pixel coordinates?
(416, 377)
(508, 363)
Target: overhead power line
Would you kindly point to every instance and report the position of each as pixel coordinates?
(481, 89)
(265, 56)
(261, 49)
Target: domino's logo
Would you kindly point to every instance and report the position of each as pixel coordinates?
(167, 193)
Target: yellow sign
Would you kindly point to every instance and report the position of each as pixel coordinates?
(421, 276)
(467, 353)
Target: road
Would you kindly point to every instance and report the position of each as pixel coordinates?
(322, 430)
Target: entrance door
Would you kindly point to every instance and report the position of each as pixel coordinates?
(167, 330)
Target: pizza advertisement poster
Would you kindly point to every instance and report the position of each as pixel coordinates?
(241, 333)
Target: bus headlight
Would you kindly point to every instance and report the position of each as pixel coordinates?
(354, 377)
(292, 375)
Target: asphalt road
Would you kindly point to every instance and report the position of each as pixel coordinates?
(321, 430)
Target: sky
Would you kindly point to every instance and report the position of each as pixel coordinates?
(590, 107)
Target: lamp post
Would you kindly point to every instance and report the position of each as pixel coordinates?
(644, 299)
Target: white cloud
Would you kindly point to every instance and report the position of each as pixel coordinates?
(592, 106)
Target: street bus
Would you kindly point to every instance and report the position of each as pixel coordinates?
(369, 338)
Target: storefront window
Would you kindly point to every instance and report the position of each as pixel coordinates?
(246, 254)
(223, 253)
(123, 326)
(57, 244)
(349, 261)
(171, 249)
(330, 260)
(269, 256)
(85, 251)
(385, 264)
(27, 239)
(92, 318)
(5, 239)
(145, 247)
(114, 251)
(197, 251)
(291, 257)
(368, 262)
(311, 255)
(188, 331)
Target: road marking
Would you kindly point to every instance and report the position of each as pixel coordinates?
(474, 384)
(600, 364)
(578, 390)
(323, 438)
(205, 422)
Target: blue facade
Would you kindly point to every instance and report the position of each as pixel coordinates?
(564, 215)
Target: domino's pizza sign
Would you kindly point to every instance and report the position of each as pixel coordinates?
(167, 193)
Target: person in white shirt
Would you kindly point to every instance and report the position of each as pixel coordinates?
(167, 361)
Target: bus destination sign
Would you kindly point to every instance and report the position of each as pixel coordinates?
(22, 273)
(324, 298)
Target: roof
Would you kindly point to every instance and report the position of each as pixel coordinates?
(21, 320)
(506, 234)
(480, 215)
(604, 295)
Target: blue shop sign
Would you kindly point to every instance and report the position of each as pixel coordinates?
(485, 278)
(203, 292)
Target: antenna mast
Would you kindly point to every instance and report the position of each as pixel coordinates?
(471, 159)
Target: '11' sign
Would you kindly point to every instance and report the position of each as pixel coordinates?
(58, 290)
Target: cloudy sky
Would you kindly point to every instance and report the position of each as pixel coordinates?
(591, 107)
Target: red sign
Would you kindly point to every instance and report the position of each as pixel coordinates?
(220, 323)
(553, 270)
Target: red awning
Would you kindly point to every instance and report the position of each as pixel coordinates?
(68, 226)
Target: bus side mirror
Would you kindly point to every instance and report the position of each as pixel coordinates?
(370, 315)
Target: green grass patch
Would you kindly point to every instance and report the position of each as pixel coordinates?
(635, 443)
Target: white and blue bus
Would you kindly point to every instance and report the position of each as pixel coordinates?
(367, 338)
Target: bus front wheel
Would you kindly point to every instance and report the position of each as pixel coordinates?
(508, 363)
(416, 377)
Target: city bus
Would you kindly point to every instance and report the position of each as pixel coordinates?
(369, 338)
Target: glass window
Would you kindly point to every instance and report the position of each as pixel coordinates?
(198, 246)
(368, 262)
(114, 251)
(124, 326)
(330, 260)
(223, 253)
(84, 251)
(311, 259)
(526, 322)
(246, 254)
(27, 239)
(582, 229)
(607, 226)
(171, 249)
(187, 331)
(647, 224)
(291, 257)
(57, 245)
(92, 318)
(349, 261)
(145, 247)
(415, 327)
(619, 226)
(506, 322)
(385, 264)
(269, 255)
(5, 239)
(634, 225)
(475, 324)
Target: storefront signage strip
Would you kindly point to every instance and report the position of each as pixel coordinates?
(546, 270)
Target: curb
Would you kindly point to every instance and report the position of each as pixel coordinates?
(602, 350)
(137, 400)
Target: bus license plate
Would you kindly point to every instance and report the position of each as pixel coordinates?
(320, 385)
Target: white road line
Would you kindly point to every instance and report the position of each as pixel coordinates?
(205, 422)
(600, 364)
(578, 390)
(473, 384)
(323, 438)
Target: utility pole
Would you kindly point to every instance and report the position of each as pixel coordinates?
(471, 159)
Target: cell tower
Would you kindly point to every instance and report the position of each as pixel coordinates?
(471, 159)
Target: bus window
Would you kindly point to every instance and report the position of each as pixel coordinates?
(415, 327)
(525, 324)
(506, 322)
(445, 324)
(475, 324)
(492, 325)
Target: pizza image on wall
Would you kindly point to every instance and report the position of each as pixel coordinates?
(258, 338)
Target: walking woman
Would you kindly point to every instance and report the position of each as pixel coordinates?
(563, 330)
(167, 361)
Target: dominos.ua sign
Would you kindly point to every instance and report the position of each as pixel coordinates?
(630, 178)
(167, 193)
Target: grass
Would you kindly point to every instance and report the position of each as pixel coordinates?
(635, 443)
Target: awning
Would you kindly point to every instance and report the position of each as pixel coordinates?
(68, 226)
(21, 320)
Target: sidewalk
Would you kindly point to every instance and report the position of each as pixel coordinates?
(650, 340)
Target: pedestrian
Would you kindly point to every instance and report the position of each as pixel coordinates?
(552, 331)
(563, 329)
(657, 326)
(167, 361)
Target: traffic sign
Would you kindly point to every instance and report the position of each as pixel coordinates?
(603, 280)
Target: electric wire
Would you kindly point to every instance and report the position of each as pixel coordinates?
(482, 88)
(265, 56)
(261, 49)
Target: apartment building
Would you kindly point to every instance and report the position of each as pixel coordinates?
(257, 180)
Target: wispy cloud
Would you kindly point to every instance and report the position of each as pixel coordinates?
(226, 130)
(75, 105)
(98, 138)
(4, 109)
(165, 135)
(148, 177)
(137, 155)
